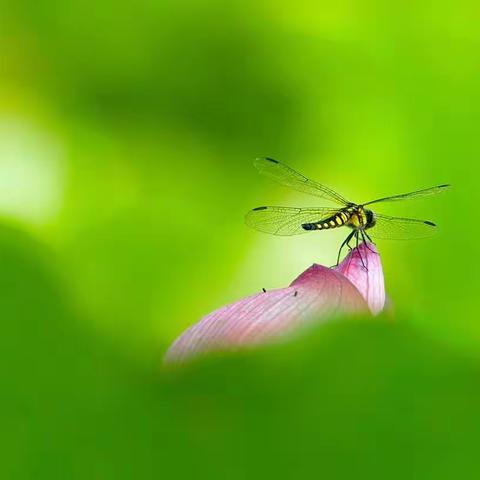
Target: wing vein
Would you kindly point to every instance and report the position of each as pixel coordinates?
(399, 228)
(286, 176)
(426, 192)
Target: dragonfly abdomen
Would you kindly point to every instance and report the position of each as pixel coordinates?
(335, 221)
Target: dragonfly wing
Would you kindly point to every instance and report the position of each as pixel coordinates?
(426, 192)
(290, 178)
(285, 220)
(397, 228)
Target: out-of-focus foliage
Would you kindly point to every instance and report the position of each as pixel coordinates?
(127, 134)
(351, 399)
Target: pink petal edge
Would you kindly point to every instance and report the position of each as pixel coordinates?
(369, 281)
(319, 293)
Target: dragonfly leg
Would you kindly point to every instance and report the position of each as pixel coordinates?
(348, 242)
(357, 235)
(345, 242)
(369, 238)
(365, 234)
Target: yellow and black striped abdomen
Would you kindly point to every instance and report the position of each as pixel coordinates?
(335, 221)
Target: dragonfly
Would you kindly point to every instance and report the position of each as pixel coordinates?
(363, 222)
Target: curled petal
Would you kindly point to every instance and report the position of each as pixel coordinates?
(366, 276)
(317, 294)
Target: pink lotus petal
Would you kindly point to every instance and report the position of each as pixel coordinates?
(369, 280)
(317, 294)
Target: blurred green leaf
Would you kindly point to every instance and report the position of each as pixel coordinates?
(364, 399)
(133, 127)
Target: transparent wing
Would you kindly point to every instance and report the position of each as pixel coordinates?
(426, 192)
(285, 220)
(290, 178)
(397, 228)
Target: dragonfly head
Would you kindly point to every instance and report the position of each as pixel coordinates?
(370, 216)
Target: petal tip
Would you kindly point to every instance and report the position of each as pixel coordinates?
(363, 267)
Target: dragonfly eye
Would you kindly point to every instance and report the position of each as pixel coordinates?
(370, 218)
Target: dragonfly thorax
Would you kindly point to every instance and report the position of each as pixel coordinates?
(360, 218)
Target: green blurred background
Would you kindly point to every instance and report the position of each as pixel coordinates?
(127, 134)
